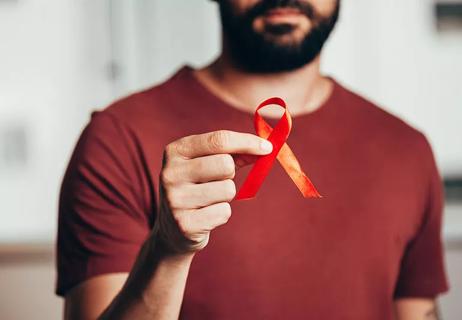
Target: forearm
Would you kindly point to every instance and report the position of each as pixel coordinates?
(155, 287)
(416, 309)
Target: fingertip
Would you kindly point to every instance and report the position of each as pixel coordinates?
(266, 146)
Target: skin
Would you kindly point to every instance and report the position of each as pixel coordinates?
(197, 186)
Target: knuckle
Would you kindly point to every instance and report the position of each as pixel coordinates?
(182, 223)
(226, 211)
(218, 139)
(229, 189)
(227, 165)
(175, 198)
(167, 177)
(223, 213)
(176, 149)
(170, 150)
(198, 165)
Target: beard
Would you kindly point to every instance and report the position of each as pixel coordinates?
(260, 52)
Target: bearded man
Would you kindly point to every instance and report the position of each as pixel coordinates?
(154, 174)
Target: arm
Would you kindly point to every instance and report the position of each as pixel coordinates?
(195, 190)
(164, 280)
(422, 274)
(154, 289)
(88, 299)
(416, 309)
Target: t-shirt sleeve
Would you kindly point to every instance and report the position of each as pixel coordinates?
(422, 272)
(104, 206)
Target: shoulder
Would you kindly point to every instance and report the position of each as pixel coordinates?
(152, 103)
(381, 125)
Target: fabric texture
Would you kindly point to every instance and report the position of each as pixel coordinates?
(374, 236)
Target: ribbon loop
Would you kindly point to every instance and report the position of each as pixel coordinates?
(281, 151)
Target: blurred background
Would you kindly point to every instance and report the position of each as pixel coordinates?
(61, 59)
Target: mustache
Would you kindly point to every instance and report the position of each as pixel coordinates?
(264, 6)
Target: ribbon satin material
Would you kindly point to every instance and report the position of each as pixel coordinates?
(281, 151)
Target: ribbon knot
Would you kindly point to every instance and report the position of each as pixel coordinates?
(281, 151)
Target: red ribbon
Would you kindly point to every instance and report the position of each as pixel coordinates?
(277, 136)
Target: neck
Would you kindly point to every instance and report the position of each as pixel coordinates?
(304, 89)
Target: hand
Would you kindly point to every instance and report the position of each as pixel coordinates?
(196, 185)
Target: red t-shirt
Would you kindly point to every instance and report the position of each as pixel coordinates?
(373, 237)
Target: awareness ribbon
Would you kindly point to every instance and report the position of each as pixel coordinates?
(277, 136)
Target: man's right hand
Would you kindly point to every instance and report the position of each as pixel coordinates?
(196, 186)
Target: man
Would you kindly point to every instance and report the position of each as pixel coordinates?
(156, 171)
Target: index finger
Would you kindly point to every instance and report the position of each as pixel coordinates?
(222, 141)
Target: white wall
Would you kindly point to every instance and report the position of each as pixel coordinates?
(53, 60)
(153, 37)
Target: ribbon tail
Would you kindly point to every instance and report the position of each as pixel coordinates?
(291, 165)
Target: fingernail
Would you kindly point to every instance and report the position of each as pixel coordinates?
(265, 145)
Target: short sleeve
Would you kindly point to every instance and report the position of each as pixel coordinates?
(104, 205)
(422, 272)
